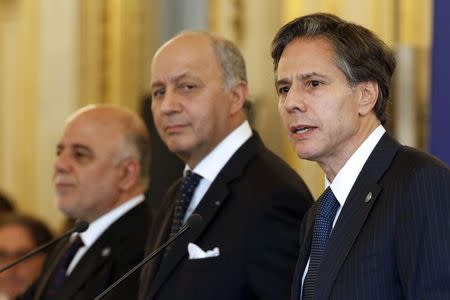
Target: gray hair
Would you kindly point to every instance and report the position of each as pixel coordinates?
(231, 61)
(229, 57)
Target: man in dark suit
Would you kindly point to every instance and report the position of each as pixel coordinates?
(251, 202)
(381, 229)
(100, 175)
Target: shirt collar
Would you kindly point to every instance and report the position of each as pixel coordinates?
(210, 166)
(346, 177)
(99, 226)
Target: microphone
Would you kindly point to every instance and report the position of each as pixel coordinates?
(79, 227)
(194, 222)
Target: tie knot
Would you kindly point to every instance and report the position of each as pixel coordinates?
(190, 182)
(72, 247)
(77, 242)
(327, 204)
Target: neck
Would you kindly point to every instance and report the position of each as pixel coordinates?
(332, 165)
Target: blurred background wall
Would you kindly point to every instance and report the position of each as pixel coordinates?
(58, 55)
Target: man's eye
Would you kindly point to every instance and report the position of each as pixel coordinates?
(158, 93)
(188, 86)
(314, 83)
(283, 90)
(78, 155)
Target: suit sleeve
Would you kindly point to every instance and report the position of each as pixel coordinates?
(423, 240)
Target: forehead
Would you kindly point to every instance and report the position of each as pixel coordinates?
(185, 55)
(307, 55)
(93, 130)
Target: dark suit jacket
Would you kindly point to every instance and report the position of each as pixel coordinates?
(100, 267)
(392, 238)
(252, 213)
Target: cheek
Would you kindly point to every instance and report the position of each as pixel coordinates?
(281, 111)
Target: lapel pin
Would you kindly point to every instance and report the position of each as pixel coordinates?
(217, 203)
(368, 197)
(106, 252)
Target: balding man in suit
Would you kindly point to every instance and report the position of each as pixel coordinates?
(100, 175)
(250, 200)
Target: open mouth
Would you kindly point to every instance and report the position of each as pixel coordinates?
(301, 129)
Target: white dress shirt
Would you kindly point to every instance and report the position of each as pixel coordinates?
(99, 226)
(210, 166)
(346, 177)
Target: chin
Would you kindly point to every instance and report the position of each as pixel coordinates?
(67, 206)
(178, 147)
(305, 153)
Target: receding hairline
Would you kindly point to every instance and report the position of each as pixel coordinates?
(214, 41)
(132, 132)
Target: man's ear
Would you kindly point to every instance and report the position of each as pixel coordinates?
(129, 173)
(239, 94)
(369, 96)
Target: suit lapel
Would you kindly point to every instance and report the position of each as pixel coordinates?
(49, 268)
(208, 207)
(354, 213)
(101, 251)
(160, 234)
(305, 249)
(94, 259)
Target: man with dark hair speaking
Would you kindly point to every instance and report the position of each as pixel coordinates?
(381, 229)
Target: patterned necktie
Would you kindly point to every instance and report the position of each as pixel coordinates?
(327, 206)
(186, 191)
(58, 277)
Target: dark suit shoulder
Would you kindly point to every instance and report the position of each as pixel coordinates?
(274, 180)
(423, 211)
(417, 159)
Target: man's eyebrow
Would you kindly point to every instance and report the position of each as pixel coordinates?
(301, 77)
(173, 79)
(81, 147)
(282, 81)
(77, 146)
(309, 76)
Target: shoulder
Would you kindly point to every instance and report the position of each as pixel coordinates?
(271, 189)
(129, 231)
(419, 183)
(412, 165)
(272, 175)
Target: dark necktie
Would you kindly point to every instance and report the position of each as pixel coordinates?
(184, 198)
(58, 277)
(327, 206)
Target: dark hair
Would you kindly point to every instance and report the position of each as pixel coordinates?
(6, 204)
(38, 230)
(360, 54)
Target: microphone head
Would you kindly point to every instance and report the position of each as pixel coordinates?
(81, 226)
(194, 221)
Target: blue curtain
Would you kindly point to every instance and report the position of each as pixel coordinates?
(439, 143)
